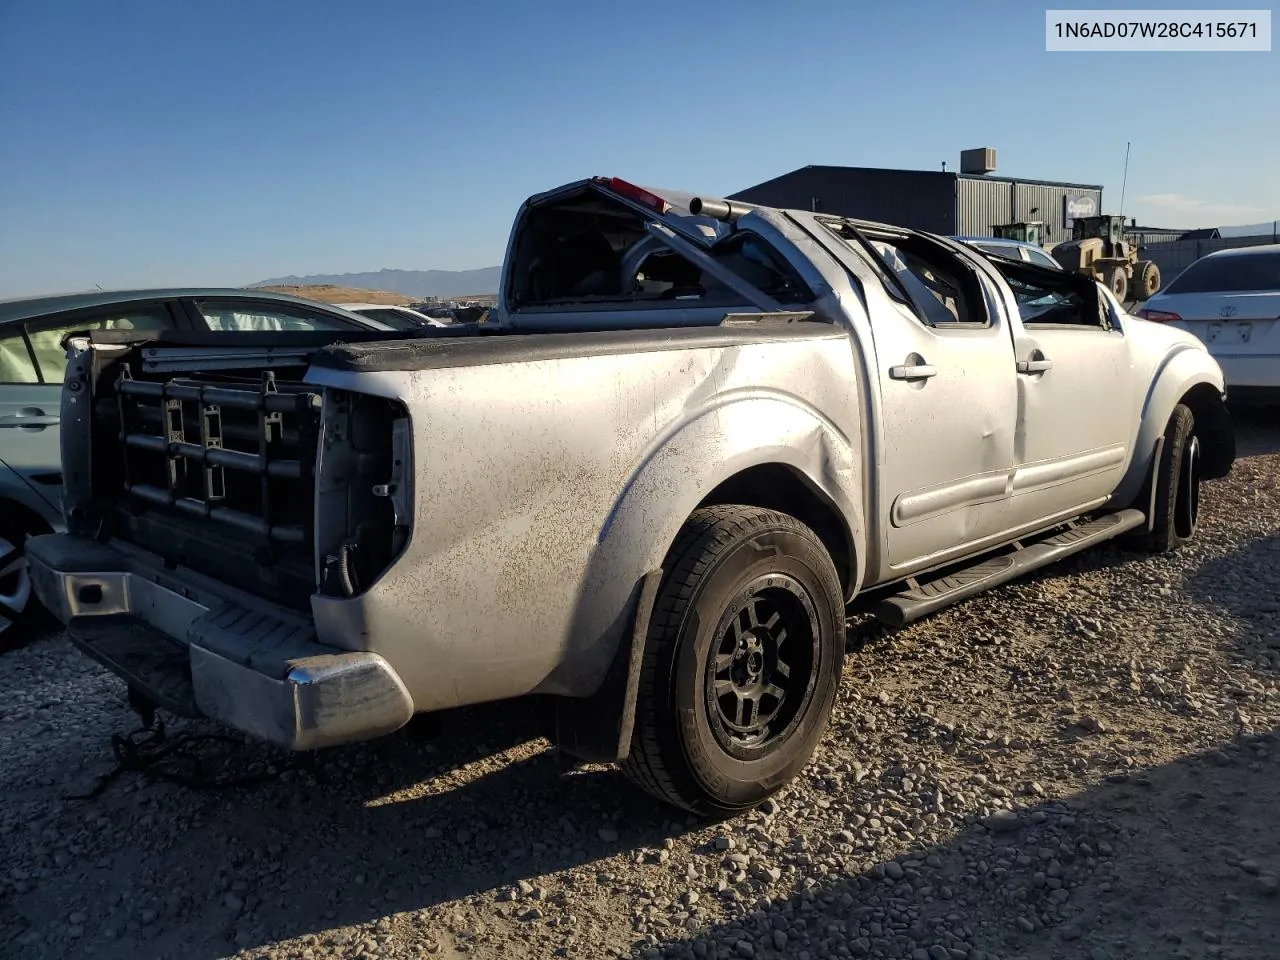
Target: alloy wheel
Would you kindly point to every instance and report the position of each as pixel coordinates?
(15, 583)
(761, 674)
(1186, 508)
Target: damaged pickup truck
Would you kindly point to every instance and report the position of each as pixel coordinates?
(697, 434)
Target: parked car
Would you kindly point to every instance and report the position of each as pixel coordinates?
(1025, 252)
(1231, 301)
(397, 317)
(435, 311)
(32, 361)
(1013, 249)
(696, 434)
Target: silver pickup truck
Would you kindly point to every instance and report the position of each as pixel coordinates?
(691, 438)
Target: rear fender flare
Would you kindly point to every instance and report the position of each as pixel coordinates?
(594, 702)
(685, 465)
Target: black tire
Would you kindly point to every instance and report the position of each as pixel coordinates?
(21, 614)
(1146, 280)
(735, 578)
(1177, 501)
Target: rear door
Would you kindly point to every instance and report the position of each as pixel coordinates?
(32, 365)
(28, 416)
(945, 373)
(1077, 400)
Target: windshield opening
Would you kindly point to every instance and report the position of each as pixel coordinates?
(590, 248)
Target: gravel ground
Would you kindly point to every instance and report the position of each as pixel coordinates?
(1080, 765)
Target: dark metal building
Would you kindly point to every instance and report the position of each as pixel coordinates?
(1205, 233)
(941, 202)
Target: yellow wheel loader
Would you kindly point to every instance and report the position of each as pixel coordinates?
(1098, 247)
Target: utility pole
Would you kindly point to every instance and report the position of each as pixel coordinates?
(1125, 182)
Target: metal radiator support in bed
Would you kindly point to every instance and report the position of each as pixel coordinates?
(214, 458)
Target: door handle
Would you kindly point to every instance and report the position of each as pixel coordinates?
(913, 371)
(40, 419)
(1035, 366)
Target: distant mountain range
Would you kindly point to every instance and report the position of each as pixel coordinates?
(1271, 227)
(411, 283)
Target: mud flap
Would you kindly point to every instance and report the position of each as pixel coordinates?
(597, 729)
(1153, 483)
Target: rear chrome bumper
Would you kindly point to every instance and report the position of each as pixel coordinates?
(193, 646)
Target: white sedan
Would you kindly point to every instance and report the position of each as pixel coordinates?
(398, 318)
(1231, 301)
(1013, 250)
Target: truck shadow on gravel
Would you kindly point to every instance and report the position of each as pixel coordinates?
(1257, 429)
(1245, 585)
(1180, 860)
(358, 834)
(400, 826)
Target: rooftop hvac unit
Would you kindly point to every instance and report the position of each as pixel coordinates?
(979, 160)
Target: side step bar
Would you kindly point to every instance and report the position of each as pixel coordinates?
(925, 598)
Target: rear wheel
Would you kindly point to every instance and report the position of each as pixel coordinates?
(1146, 280)
(1177, 500)
(741, 663)
(1118, 283)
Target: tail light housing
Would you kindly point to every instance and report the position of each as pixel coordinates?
(1159, 316)
(632, 192)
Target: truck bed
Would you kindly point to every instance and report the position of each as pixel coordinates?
(464, 493)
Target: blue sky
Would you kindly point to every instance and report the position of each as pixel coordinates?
(148, 143)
